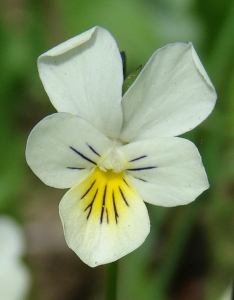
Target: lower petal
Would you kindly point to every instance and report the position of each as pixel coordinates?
(104, 218)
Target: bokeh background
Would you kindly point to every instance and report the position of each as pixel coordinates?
(189, 253)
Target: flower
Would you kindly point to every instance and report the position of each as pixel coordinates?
(115, 152)
(14, 276)
(227, 295)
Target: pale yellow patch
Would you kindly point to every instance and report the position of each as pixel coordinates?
(105, 196)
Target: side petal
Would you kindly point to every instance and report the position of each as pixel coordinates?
(172, 95)
(63, 148)
(165, 171)
(84, 76)
(103, 218)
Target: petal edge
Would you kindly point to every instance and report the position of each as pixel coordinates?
(172, 95)
(170, 172)
(78, 76)
(114, 228)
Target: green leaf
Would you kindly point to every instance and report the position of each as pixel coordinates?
(130, 79)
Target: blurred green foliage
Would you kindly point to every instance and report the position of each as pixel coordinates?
(28, 28)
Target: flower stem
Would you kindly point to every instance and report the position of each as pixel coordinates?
(111, 281)
(178, 237)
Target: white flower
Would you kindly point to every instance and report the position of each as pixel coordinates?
(115, 152)
(14, 276)
(227, 295)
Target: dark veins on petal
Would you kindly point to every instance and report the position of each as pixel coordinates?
(93, 150)
(83, 156)
(138, 158)
(141, 168)
(115, 209)
(90, 206)
(140, 179)
(122, 194)
(88, 190)
(104, 207)
(103, 204)
(125, 182)
(75, 168)
(107, 217)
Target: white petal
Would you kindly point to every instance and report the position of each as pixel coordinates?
(228, 293)
(84, 76)
(63, 148)
(11, 239)
(172, 95)
(103, 218)
(166, 171)
(14, 276)
(14, 280)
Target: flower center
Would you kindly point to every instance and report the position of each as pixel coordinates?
(112, 160)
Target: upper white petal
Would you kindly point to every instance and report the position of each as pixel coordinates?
(169, 171)
(172, 95)
(84, 76)
(54, 145)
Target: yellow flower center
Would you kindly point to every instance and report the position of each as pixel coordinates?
(105, 195)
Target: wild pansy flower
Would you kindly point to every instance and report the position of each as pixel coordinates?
(115, 152)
